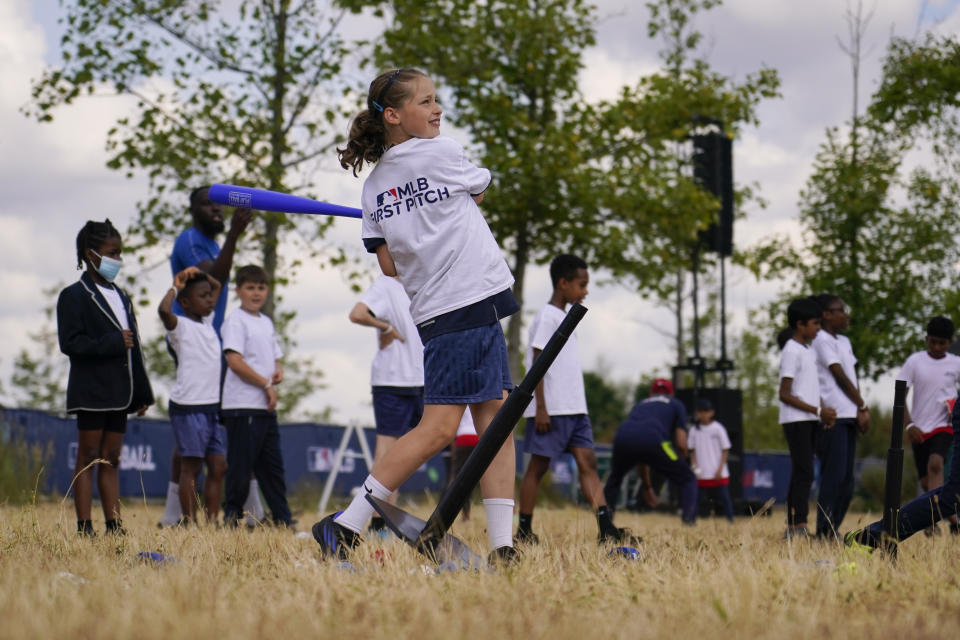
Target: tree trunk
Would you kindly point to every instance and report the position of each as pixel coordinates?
(275, 170)
(515, 323)
(681, 281)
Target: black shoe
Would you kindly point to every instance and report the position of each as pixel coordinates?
(336, 541)
(796, 533)
(85, 530)
(525, 536)
(619, 536)
(931, 531)
(504, 557)
(115, 528)
(955, 529)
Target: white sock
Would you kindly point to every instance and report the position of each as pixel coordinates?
(499, 521)
(355, 516)
(171, 509)
(253, 507)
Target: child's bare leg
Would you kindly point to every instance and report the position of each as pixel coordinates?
(213, 486)
(108, 481)
(589, 480)
(436, 430)
(498, 481)
(530, 484)
(88, 448)
(189, 468)
(383, 445)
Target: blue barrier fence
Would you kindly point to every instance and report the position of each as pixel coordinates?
(308, 452)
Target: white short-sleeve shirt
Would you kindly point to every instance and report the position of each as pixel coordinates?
(252, 336)
(934, 382)
(399, 364)
(830, 349)
(799, 363)
(198, 361)
(563, 388)
(709, 441)
(418, 199)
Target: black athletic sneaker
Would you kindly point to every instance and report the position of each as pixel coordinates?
(115, 528)
(525, 536)
(336, 541)
(618, 536)
(85, 529)
(504, 557)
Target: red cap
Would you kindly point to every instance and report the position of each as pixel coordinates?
(662, 385)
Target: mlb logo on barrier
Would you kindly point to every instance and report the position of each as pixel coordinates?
(320, 460)
(239, 199)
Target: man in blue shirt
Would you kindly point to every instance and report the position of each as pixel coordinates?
(198, 247)
(647, 437)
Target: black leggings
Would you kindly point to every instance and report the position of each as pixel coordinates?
(800, 438)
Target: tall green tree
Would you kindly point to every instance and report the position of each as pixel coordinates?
(244, 92)
(600, 179)
(876, 232)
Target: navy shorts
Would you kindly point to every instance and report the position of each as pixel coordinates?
(198, 434)
(466, 367)
(395, 413)
(938, 443)
(565, 432)
(115, 421)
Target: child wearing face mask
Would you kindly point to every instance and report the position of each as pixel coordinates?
(98, 332)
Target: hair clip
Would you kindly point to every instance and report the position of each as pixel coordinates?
(377, 106)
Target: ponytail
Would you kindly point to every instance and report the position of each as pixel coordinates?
(367, 139)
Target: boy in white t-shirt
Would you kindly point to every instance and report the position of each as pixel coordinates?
(195, 398)
(932, 376)
(837, 447)
(249, 402)
(557, 419)
(801, 409)
(709, 447)
(396, 373)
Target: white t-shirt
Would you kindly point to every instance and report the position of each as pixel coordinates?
(116, 305)
(198, 361)
(563, 389)
(709, 441)
(417, 198)
(799, 363)
(252, 337)
(934, 381)
(400, 364)
(835, 350)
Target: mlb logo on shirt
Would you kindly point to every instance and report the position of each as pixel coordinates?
(381, 196)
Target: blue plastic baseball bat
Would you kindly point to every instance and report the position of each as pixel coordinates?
(264, 200)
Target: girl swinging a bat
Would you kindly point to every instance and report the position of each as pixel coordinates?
(421, 219)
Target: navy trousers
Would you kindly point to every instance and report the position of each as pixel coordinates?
(837, 449)
(933, 506)
(253, 447)
(645, 446)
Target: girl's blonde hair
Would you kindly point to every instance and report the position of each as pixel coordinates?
(367, 140)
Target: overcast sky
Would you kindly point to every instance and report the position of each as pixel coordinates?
(54, 177)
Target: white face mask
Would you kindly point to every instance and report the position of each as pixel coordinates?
(109, 267)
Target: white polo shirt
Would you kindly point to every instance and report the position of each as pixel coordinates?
(830, 349)
(563, 388)
(252, 336)
(399, 364)
(934, 382)
(418, 199)
(198, 361)
(799, 363)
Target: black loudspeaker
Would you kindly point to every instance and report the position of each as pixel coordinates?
(728, 406)
(713, 170)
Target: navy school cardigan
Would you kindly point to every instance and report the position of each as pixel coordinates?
(104, 374)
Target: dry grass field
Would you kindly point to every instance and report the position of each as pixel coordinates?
(714, 580)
